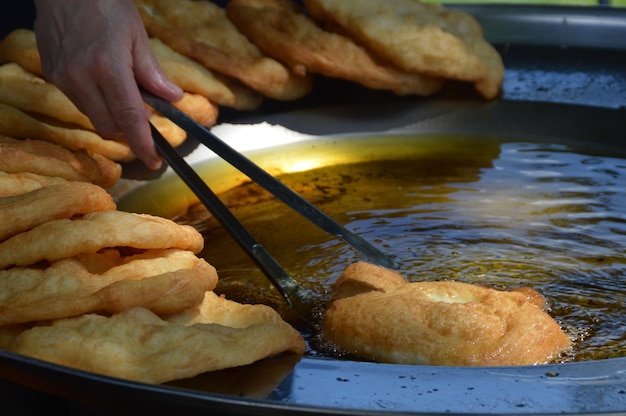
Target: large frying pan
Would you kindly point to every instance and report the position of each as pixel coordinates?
(565, 81)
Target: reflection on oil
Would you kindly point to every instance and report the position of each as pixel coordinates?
(504, 214)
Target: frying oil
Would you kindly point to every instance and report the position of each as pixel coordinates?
(500, 213)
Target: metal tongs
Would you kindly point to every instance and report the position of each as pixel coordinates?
(298, 298)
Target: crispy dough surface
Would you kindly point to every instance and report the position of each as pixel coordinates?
(377, 315)
(49, 159)
(164, 281)
(201, 31)
(199, 108)
(196, 78)
(16, 123)
(419, 37)
(20, 46)
(283, 32)
(190, 75)
(128, 344)
(23, 212)
(18, 183)
(93, 232)
(28, 92)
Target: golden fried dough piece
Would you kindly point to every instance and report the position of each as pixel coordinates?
(283, 32)
(15, 123)
(108, 174)
(190, 75)
(195, 78)
(199, 108)
(200, 30)
(30, 93)
(419, 37)
(93, 232)
(245, 97)
(15, 159)
(195, 106)
(170, 131)
(216, 309)
(138, 345)
(20, 46)
(50, 159)
(377, 315)
(18, 183)
(23, 212)
(164, 281)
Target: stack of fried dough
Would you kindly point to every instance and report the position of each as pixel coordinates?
(404, 46)
(85, 285)
(274, 47)
(377, 315)
(255, 49)
(31, 107)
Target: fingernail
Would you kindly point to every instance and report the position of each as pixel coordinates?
(153, 163)
(175, 88)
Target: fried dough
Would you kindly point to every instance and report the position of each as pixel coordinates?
(49, 159)
(23, 212)
(93, 232)
(130, 344)
(195, 78)
(20, 46)
(199, 108)
(283, 32)
(109, 173)
(15, 123)
(164, 281)
(245, 97)
(376, 314)
(30, 93)
(201, 31)
(190, 75)
(419, 37)
(12, 184)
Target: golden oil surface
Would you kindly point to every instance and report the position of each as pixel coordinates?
(506, 214)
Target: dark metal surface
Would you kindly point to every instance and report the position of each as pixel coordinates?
(565, 80)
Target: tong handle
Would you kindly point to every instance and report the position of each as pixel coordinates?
(267, 181)
(296, 296)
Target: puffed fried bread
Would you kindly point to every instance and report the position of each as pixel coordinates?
(377, 315)
(93, 232)
(20, 46)
(49, 159)
(201, 31)
(136, 344)
(419, 37)
(18, 183)
(19, 213)
(281, 30)
(163, 281)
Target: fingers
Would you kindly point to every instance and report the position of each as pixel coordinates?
(149, 75)
(129, 118)
(98, 54)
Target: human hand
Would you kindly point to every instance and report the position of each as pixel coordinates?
(97, 52)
